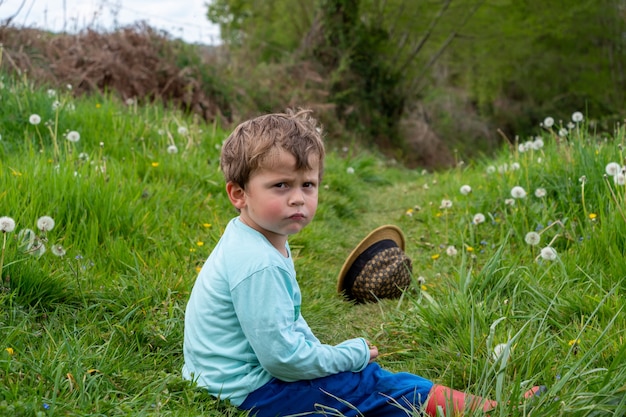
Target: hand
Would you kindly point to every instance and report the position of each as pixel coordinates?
(373, 352)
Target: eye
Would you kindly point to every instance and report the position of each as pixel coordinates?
(281, 185)
(309, 185)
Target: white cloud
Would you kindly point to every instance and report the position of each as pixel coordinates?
(187, 21)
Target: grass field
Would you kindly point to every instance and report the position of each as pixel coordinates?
(518, 260)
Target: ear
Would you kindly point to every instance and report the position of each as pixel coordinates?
(236, 195)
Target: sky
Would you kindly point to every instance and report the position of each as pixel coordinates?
(184, 19)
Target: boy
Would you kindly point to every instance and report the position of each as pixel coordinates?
(245, 339)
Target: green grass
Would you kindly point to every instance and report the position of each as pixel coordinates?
(99, 330)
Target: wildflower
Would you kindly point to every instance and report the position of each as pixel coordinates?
(421, 280)
(503, 168)
(445, 204)
(574, 342)
(200, 243)
(52, 93)
(466, 189)
(537, 143)
(155, 164)
(577, 117)
(172, 149)
(350, 170)
(532, 238)
(518, 192)
(56, 104)
(83, 156)
(540, 192)
(34, 119)
(7, 224)
(563, 132)
(509, 202)
(593, 216)
(10, 351)
(58, 250)
(612, 168)
(515, 166)
(45, 223)
(130, 101)
(198, 269)
(548, 253)
(548, 122)
(206, 225)
(451, 251)
(182, 130)
(491, 169)
(478, 218)
(620, 178)
(98, 105)
(409, 212)
(434, 257)
(73, 136)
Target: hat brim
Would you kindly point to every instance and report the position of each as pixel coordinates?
(381, 233)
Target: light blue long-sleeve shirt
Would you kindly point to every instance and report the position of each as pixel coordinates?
(243, 325)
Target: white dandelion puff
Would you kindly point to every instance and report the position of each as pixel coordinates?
(172, 149)
(466, 189)
(445, 204)
(451, 251)
(509, 202)
(7, 224)
(73, 136)
(498, 351)
(532, 238)
(58, 250)
(34, 119)
(577, 117)
(45, 223)
(537, 143)
(540, 192)
(612, 168)
(350, 170)
(518, 192)
(548, 253)
(548, 122)
(182, 130)
(478, 218)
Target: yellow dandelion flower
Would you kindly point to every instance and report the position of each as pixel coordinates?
(98, 105)
(10, 351)
(155, 164)
(198, 268)
(409, 212)
(206, 225)
(573, 342)
(469, 248)
(593, 216)
(200, 243)
(435, 257)
(192, 250)
(439, 214)
(423, 287)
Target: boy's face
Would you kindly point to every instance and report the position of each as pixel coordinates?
(278, 200)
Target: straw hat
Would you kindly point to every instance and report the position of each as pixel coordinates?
(377, 268)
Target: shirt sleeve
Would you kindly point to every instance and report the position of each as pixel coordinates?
(269, 315)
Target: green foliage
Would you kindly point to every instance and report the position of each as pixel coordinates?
(98, 329)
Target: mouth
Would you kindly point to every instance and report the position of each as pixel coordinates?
(297, 216)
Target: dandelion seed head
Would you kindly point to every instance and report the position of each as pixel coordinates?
(548, 253)
(491, 169)
(73, 136)
(548, 122)
(445, 204)
(540, 192)
(451, 251)
(350, 170)
(509, 202)
(45, 223)
(620, 178)
(563, 132)
(172, 149)
(577, 117)
(466, 189)
(58, 250)
(34, 119)
(515, 166)
(7, 224)
(182, 130)
(537, 143)
(612, 168)
(518, 192)
(532, 238)
(498, 350)
(478, 218)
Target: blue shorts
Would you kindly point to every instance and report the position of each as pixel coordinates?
(372, 392)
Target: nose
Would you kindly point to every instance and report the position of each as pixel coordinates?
(296, 198)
